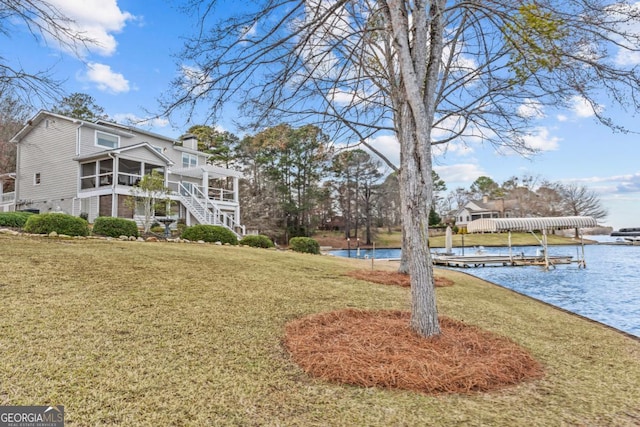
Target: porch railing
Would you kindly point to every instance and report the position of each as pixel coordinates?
(205, 211)
(220, 194)
(7, 198)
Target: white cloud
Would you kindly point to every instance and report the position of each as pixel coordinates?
(541, 140)
(105, 79)
(388, 146)
(627, 54)
(628, 183)
(195, 80)
(459, 173)
(582, 108)
(531, 109)
(249, 32)
(562, 118)
(626, 57)
(134, 120)
(97, 20)
(341, 97)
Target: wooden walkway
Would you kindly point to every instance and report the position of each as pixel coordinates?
(467, 261)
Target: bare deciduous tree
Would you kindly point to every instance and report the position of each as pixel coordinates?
(13, 114)
(464, 68)
(46, 23)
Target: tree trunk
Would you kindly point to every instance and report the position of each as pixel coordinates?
(416, 192)
(404, 257)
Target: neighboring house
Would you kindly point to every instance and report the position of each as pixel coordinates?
(485, 208)
(78, 167)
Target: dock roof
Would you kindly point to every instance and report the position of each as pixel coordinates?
(530, 224)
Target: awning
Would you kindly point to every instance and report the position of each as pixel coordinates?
(530, 224)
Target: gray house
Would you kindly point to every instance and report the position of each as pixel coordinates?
(78, 167)
(485, 208)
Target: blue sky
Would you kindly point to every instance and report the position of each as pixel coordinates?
(135, 62)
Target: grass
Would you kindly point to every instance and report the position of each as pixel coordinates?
(383, 239)
(130, 333)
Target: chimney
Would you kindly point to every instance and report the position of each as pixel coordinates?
(190, 141)
(485, 199)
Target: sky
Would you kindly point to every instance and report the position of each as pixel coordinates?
(136, 60)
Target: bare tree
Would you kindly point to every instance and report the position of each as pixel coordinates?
(13, 114)
(359, 68)
(46, 23)
(578, 200)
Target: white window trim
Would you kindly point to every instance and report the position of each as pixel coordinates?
(108, 134)
(190, 157)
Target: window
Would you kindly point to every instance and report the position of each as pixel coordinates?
(105, 172)
(129, 172)
(36, 179)
(88, 175)
(148, 168)
(106, 140)
(189, 160)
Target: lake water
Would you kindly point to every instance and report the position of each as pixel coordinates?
(608, 290)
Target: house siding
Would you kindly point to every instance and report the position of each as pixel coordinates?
(53, 160)
(55, 147)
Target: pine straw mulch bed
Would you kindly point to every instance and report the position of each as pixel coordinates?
(378, 349)
(393, 278)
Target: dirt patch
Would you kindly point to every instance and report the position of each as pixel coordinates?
(378, 349)
(393, 278)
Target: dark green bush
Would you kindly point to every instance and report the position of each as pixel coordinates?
(58, 222)
(257, 241)
(210, 233)
(14, 219)
(115, 227)
(306, 245)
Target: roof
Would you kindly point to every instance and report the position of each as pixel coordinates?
(106, 126)
(530, 224)
(120, 150)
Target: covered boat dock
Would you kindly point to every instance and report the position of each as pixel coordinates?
(531, 225)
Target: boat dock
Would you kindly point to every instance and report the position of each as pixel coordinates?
(467, 261)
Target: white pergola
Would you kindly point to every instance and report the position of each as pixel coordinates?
(543, 224)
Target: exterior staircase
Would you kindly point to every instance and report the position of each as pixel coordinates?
(207, 212)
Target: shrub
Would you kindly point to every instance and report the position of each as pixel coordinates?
(210, 233)
(306, 245)
(14, 219)
(257, 241)
(58, 222)
(115, 227)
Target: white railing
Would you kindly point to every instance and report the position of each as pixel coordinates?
(205, 211)
(7, 198)
(221, 194)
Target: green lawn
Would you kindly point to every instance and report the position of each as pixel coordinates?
(149, 334)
